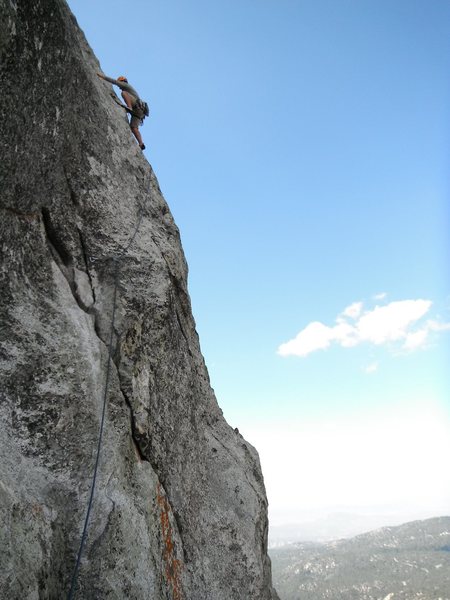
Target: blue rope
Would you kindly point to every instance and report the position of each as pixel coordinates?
(102, 421)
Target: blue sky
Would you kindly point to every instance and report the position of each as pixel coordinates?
(303, 148)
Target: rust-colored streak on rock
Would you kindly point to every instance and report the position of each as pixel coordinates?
(172, 566)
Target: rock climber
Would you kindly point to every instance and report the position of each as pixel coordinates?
(132, 101)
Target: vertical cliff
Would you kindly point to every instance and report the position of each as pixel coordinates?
(180, 511)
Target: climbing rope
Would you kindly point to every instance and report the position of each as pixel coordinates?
(115, 260)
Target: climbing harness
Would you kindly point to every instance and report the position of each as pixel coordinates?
(115, 260)
(141, 106)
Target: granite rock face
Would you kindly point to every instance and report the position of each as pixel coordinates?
(180, 511)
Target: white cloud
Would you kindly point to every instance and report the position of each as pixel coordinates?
(345, 334)
(436, 326)
(315, 336)
(391, 324)
(416, 339)
(381, 296)
(353, 311)
(372, 368)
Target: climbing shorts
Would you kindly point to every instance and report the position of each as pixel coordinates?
(136, 119)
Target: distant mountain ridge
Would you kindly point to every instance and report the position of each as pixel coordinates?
(393, 563)
(334, 526)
